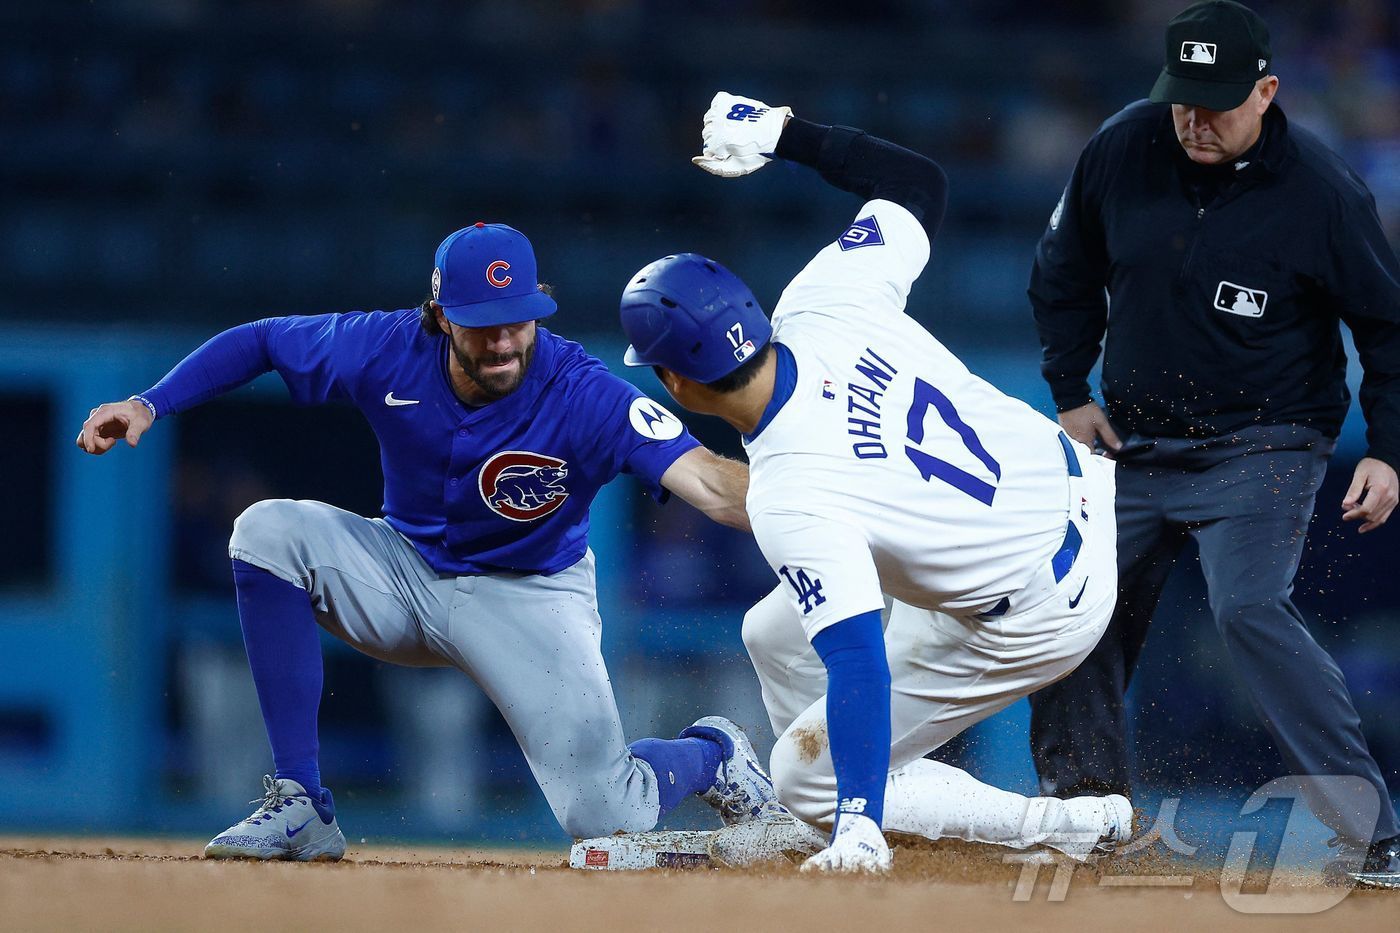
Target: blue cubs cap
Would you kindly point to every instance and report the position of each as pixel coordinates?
(692, 316)
(485, 275)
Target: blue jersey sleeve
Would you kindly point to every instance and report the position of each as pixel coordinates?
(319, 357)
(633, 433)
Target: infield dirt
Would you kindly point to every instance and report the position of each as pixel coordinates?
(137, 884)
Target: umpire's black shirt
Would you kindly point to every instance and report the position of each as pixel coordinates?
(1226, 284)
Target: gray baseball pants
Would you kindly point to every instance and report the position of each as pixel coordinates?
(1247, 500)
(530, 641)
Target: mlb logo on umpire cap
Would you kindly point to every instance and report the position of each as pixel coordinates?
(1202, 53)
(484, 276)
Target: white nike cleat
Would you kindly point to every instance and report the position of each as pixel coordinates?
(1091, 827)
(858, 846)
(742, 789)
(775, 836)
(287, 825)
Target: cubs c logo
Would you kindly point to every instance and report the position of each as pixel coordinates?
(500, 265)
(522, 485)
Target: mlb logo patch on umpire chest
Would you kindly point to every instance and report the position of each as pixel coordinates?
(1238, 299)
(864, 232)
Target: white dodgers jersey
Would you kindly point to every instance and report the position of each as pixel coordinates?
(891, 468)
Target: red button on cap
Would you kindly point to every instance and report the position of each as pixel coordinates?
(479, 224)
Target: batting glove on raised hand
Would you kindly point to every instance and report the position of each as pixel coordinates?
(858, 846)
(740, 134)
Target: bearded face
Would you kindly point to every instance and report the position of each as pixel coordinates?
(495, 358)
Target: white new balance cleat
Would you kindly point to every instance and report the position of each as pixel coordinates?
(742, 789)
(287, 825)
(1092, 827)
(858, 846)
(775, 836)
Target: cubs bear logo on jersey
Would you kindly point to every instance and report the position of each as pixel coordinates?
(522, 485)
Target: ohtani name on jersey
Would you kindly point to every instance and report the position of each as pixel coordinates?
(863, 399)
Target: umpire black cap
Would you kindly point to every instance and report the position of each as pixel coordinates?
(1216, 51)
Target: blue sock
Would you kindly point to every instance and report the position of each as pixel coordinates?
(284, 652)
(683, 766)
(857, 712)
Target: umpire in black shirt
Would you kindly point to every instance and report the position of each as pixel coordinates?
(1210, 248)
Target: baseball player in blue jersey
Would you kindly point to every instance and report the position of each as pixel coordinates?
(495, 435)
(880, 467)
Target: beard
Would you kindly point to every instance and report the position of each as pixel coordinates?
(495, 384)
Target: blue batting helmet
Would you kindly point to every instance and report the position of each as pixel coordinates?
(692, 316)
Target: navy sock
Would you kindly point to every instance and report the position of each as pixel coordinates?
(284, 653)
(683, 766)
(857, 712)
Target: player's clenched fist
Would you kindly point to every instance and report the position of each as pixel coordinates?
(739, 134)
(108, 423)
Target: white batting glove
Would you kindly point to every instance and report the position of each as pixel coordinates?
(739, 134)
(858, 846)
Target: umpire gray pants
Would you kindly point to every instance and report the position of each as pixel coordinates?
(1246, 500)
(530, 641)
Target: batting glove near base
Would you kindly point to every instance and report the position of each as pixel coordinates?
(740, 134)
(858, 846)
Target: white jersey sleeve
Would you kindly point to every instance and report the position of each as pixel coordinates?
(825, 566)
(868, 270)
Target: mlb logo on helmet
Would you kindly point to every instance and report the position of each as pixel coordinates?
(484, 275)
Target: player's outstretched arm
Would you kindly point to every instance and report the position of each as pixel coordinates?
(223, 362)
(741, 135)
(713, 484)
(113, 421)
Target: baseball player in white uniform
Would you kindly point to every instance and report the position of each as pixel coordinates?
(881, 467)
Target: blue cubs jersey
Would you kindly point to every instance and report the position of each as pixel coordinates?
(503, 487)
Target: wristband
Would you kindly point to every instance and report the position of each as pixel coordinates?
(150, 406)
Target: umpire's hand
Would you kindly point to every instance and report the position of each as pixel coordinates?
(1372, 494)
(1088, 424)
(108, 423)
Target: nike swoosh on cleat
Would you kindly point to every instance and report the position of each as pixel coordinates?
(293, 832)
(395, 402)
(1075, 602)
